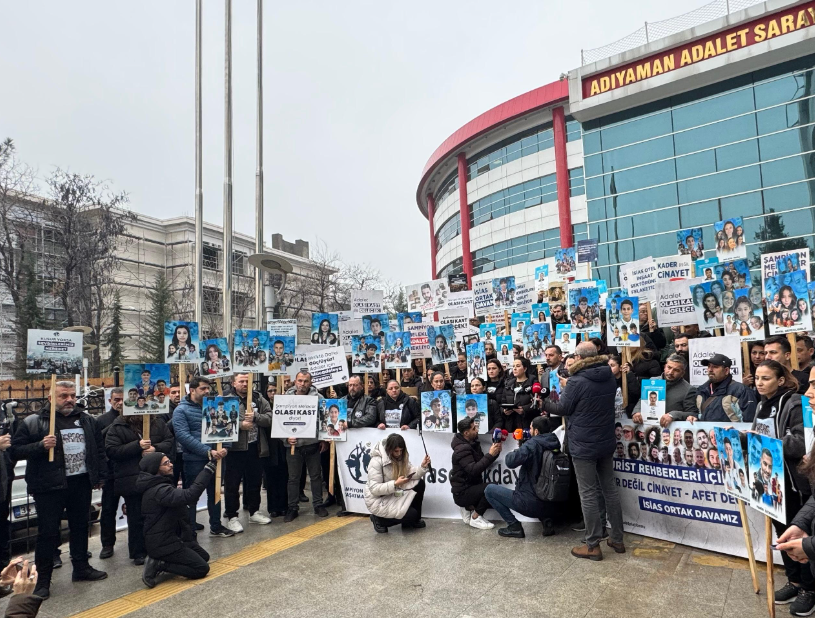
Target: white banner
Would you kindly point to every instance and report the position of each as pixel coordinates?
(348, 329)
(639, 278)
(327, 367)
(675, 303)
(482, 293)
(462, 300)
(673, 267)
(706, 347)
(294, 416)
(366, 302)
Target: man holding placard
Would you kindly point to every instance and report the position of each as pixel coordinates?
(64, 484)
(680, 397)
(721, 399)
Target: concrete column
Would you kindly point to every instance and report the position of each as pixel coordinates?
(562, 175)
(464, 213)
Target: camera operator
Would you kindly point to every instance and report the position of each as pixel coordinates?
(467, 476)
(523, 499)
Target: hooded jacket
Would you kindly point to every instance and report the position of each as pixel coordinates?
(469, 464)
(727, 401)
(529, 457)
(380, 491)
(587, 401)
(304, 441)
(408, 405)
(361, 411)
(42, 475)
(165, 510)
(123, 450)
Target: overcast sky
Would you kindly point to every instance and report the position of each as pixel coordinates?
(357, 97)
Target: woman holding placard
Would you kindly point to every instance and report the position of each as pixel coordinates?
(517, 403)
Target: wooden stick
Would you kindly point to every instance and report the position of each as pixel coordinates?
(748, 541)
(507, 330)
(249, 391)
(745, 357)
(625, 378)
(682, 329)
(768, 533)
(367, 389)
(280, 385)
(182, 379)
(793, 351)
(399, 375)
(218, 469)
(220, 388)
(145, 427)
(331, 456)
(53, 418)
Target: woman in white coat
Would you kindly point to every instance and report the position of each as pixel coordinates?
(395, 488)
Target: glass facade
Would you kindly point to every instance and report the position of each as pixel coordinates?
(743, 147)
(515, 198)
(449, 185)
(522, 249)
(456, 267)
(448, 230)
(519, 145)
(577, 185)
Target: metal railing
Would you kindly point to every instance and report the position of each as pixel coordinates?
(652, 31)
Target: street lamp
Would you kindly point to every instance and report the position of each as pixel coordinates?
(273, 265)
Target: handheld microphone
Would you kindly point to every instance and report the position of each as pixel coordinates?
(521, 435)
(499, 435)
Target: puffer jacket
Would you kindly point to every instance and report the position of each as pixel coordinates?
(304, 441)
(262, 419)
(408, 405)
(805, 520)
(123, 450)
(165, 510)
(530, 457)
(187, 429)
(587, 401)
(727, 401)
(469, 464)
(380, 491)
(523, 398)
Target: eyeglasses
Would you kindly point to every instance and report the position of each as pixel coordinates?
(166, 464)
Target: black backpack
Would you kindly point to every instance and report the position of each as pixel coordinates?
(553, 481)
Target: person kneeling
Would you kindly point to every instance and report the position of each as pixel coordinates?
(467, 476)
(524, 500)
(168, 535)
(395, 489)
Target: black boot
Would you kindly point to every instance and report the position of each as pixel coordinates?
(548, 527)
(152, 568)
(515, 531)
(377, 526)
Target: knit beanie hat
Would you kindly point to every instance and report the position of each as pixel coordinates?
(150, 462)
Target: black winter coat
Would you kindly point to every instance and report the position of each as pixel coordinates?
(409, 406)
(123, 450)
(529, 456)
(588, 403)
(469, 464)
(42, 475)
(165, 511)
(521, 398)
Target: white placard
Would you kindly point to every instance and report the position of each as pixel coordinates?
(366, 302)
(348, 329)
(419, 343)
(673, 267)
(294, 416)
(524, 296)
(54, 351)
(706, 347)
(327, 367)
(674, 302)
(461, 300)
(483, 299)
(459, 318)
(639, 278)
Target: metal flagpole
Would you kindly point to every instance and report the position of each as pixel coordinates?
(227, 253)
(199, 193)
(260, 317)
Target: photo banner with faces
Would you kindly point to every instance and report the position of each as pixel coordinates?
(457, 283)
(181, 342)
(54, 351)
(705, 268)
(703, 348)
(488, 331)
(674, 303)
(518, 323)
(250, 350)
(542, 283)
(404, 319)
(565, 263)
(476, 408)
(733, 463)
(442, 342)
(476, 361)
(785, 280)
(325, 329)
(744, 318)
(734, 274)
(419, 343)
(622, 317)
(729, 238)
(483, 299)
(215, 361)
(558, 299)
(220, 420)
(652, 400)
(541, 313)
(708, 299)
(672, 487)
(436, 411)
(765, 476)
(365, 354)
(584, 307)
(503, 294)
(146, 389)
(332, 420)
(689, 242)
(397, 350)
(503, 348)
(348, 329)
(565, 338)
(375, 324)
(640, 279)
(459, 319)
(427, 296)
(281, 354)
(366, 302)
(327, 367)
(536, 338)
(294, 416)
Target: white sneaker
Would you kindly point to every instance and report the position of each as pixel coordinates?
(259, 518)
(234, 525)
(481, 523)
(465, 514)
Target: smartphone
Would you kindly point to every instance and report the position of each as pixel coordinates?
(19, 566)
(508, 405)
(411, 475)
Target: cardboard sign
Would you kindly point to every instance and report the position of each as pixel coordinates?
(673, 267)
(327, 367)
(366, 302)
(639, 278)
(294, 416)
(706, 347)
(674, 302)
(54, 351)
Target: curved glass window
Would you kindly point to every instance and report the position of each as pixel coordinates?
(456, 267)
(522, 249)
(515, 198)
(448, 230)
(449, 186)
(519, 145)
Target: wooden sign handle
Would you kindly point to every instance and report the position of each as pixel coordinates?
(793, 351)
(182, 380)
(748, 541)
(218, 468)
(52, 427)
(624, 378)
(145, 427)
(331, 457)
(745, 358)
(219, 387)
(507, 330)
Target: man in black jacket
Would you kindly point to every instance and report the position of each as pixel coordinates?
(171, 544)
(361, 408)
(467, 475)
(587, 402)
(63, 484)
(524, 500)
(110, 501)
(409, 379)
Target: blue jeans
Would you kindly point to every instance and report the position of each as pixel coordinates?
(191, 471)
(500, 498)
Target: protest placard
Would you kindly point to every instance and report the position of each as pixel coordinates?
(689, 242)
(146, 389)
(652, 400)
(442, 343)
(419, 343)
(565, 263)
(281, 354)
(541, 275)
(476, 361)
(301, 353)
(427, 296)
(565, 339)
(734, 274)
(536, 338)
(482, 297)
(327, 367)
(488, 331)
(365, 353)
(214, 360)
(584, 307)
(366, 302)
(729, 235)
(743, 318)
(705, 268)
(474, 407)
(436, 411)
(504, 349)
(404, 319)
(708, 298)
(705, 347)
(375, 324)
(181, 342)
(622, 317)
(349, 328)
(458, 282)
(54, 352)
(285, 328)
(503, 294)
(332, 420)
(294, 416)
(525, 295)
(639, 278)
(673, 267)
(765, 469)
(587, 251)
(540, 313)
(462, 300)
(397, 350)
(785, 279)
(250, 350)
(674, 303)
(809, 435)
(325, 329)
(459, 319)
(519, 322)
(220, 420)
(733, 464)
